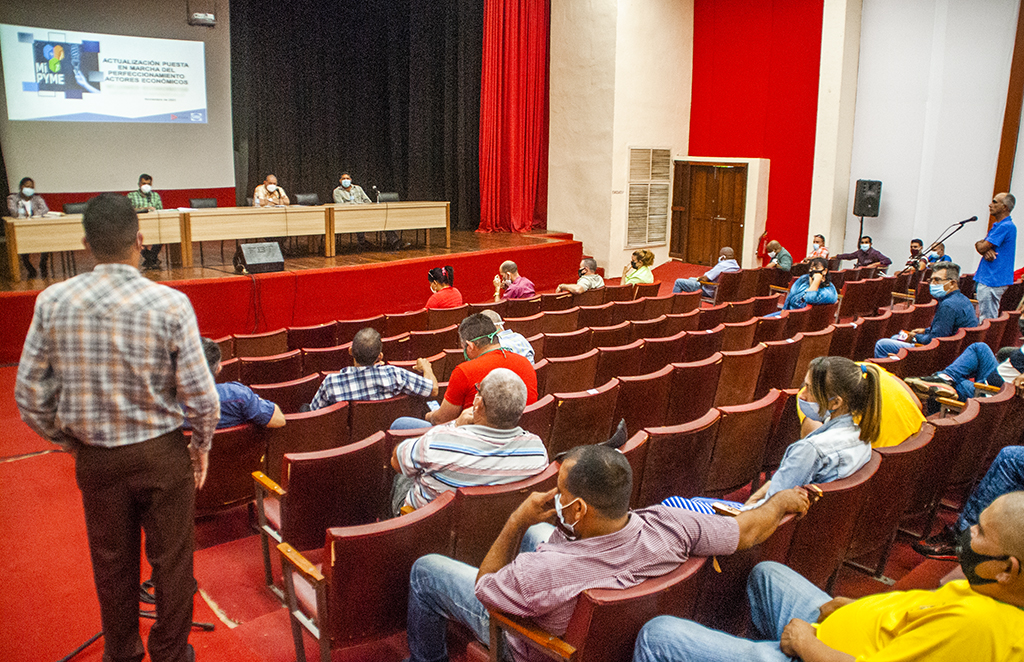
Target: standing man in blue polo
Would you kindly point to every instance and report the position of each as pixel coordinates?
(997, 249)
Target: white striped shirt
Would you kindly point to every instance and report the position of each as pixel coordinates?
(449, 457)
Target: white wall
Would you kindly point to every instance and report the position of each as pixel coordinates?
(581, 100)
(620, 78)
(653, 75)
(97, 156)
(930, 100)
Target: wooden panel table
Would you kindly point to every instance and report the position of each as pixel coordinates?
(51, 234)
(394, 216)
(230, 223)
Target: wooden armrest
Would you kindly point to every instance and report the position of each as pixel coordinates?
(776, 288)
(547, 643)
(951, 403)
(707, 282)
(987, 388)
(299, 562)
(905, 297)
(263, 481)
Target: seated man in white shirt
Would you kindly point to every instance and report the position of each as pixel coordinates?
(589, 278)
(726, 263)
(508, 338)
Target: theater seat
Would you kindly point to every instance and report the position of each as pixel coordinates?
(304, 432)
(583, 417)
(290, 395)
(678, 457)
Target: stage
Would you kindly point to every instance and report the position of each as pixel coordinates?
(312, 289)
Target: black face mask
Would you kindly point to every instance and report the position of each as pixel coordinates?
(970, 559)
(580, 272)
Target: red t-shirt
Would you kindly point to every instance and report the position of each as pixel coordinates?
(449, 297)
(465, 377)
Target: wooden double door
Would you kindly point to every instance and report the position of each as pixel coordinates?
(708, 207)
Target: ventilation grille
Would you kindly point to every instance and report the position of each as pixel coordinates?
(649, 192)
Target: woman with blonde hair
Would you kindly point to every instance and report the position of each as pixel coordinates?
(639, 268)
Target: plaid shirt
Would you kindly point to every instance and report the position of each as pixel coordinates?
(107, 360)
(142, 200)
(375, 382)
(517, 342)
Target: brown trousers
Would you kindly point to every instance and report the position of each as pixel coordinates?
(126, 490)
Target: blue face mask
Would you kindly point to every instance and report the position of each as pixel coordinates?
(937, 290)
(865, 247)
(811, 410)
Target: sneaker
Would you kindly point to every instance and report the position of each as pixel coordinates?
(941, 546)
(935, 384)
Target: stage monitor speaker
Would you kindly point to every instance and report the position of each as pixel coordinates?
(260, 258)
(868, 195)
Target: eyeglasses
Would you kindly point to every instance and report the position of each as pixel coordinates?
(941, 280)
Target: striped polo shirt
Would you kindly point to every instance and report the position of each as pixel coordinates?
(449, 457)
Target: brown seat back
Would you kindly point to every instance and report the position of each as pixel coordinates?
(343, 486)
(739, 450)
(923, 313)
(766, 305)
(527, 326)
(656, 306)
(539, 417)
(481, 512)
(682, 322)
(739, 335)
(643, 399)
(428, 343)
(625, 311)
(230, 370)
(291, 395)
(785, 429)
(305, 432)
(821, 316)
(326, 359)
(592, 297)
(887, 497)
(227, 347)
(398, 323)
(712, 317)
(779, 366)
(500, 307)
(583, 417)
(271, 369)
(236, 453)
(571, 373)
(653, 328)
(814, 344)
(317, 335)
(739, 311)
(572, 343)
(619, 292)
(522, 307)
(347, 329)
(736, 384)
(976, 333)
(871, 330)
(556, 301)
(439, 318)
(611, 336)
(261, 344)
(599, 315)
(686, 403)
(797, 320)
(997, 329)
(772, 328)
(619, 361)
(659, 352)
(368, 595)
(684, 302)
(561, 321)
(899, 321)
(703, 343)
(728, 287)
(815, 545)
(844, 338)
(369, 416)
(968, 464)
(920, 360)
(644, 290)
(678, 457)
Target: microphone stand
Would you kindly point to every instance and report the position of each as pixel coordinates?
(945, 235)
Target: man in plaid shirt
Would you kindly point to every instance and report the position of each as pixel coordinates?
(145, 198)
(110, 362)
(371, 379)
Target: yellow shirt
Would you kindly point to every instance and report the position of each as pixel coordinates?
(901, 413)
(641, 275)
(953, 624)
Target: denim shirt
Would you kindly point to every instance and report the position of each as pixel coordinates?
(831, 452)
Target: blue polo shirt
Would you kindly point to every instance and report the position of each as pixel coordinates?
(239, 405)
(999, 272)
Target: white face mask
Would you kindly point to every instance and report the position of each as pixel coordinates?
(346, 183)
(271, 187)
(28, 191)
(571, 528)
(721, 258)
(146, 188)
(771, 253)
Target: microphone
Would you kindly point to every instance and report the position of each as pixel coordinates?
(969, 220)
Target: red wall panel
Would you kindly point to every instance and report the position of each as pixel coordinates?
(755, 94)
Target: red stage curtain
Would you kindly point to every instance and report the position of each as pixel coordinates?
(514, 116)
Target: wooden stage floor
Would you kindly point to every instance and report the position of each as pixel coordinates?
(300, 255)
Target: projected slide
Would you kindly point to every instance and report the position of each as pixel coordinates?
(59, 75)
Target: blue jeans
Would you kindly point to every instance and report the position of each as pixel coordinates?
(886, 346)
(441, 588)
(1005, 475)
(988, 300)
(410, 423)
(977, 362)
(685, 285)
(777, 595)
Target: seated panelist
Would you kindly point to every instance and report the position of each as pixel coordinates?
(269, 194)
(26, 203)
(353, 194)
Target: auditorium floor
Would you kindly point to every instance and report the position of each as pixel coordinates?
(299, 254)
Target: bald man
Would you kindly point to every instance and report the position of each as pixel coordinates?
(726, 263)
